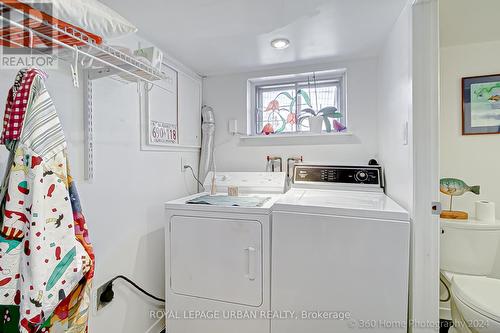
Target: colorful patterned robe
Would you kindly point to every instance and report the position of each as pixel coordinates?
(46, 260)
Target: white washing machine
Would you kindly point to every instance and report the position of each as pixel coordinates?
(218, 256)
(340, 253)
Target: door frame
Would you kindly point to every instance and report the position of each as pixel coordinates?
(424, 281)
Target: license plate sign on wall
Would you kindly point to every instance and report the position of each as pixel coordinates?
(161, 133)
(159, 112)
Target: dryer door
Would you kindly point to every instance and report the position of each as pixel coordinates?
(216, 258)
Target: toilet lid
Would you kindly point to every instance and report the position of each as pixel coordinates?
(480, 293)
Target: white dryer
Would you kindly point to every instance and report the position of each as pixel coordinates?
(218, 256)
(340, 253)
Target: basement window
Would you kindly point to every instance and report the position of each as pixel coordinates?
(286, 104)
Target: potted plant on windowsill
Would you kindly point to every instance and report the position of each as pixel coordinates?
(317, 118)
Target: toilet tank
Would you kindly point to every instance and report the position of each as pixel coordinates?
(469, 247)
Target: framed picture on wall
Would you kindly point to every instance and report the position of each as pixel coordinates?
(481, 105)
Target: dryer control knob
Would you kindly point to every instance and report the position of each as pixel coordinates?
(361, 176)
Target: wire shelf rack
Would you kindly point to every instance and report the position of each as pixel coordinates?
(34, 30)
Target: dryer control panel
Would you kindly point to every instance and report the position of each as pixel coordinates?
(351, 176)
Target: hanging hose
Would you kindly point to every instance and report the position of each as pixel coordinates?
(447, 291)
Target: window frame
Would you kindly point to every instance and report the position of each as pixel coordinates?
(293, 80)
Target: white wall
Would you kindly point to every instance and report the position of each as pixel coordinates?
(228, 96)
(124, 205)
(476, 158)
(394, 110)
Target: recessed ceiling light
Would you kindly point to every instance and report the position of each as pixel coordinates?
(280, 43)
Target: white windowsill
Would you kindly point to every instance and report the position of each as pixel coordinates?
(299, 139)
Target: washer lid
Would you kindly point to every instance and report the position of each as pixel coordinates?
(480, 293)
(344, 203)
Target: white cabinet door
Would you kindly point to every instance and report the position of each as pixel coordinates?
(189, 123)
(339, 266)
(218, 259)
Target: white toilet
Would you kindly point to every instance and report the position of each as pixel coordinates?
(469, 252)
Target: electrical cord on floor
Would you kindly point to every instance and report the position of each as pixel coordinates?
(194, 176)
(447, 291)
(108, 294)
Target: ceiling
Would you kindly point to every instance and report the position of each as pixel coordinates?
(467, 22)
(229, 36)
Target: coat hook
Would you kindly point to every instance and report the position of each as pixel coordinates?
(86, 62)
